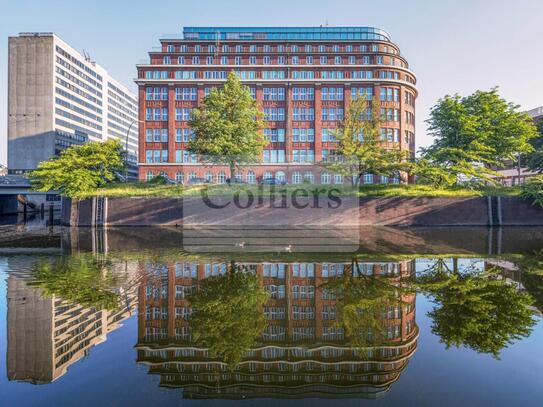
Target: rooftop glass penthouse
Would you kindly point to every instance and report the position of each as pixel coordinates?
(285, 33)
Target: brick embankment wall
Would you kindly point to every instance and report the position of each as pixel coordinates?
(378, 211)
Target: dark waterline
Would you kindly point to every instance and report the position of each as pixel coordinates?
(134, 350)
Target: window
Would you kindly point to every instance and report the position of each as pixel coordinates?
(209, 60)
(156, 114)
(183, 135)
(323, 60)
(309, 177)
(221, 178)
(195, 60)
(266, 60)
(389, 94)
(252, 60)
(275, 135)
(303, 135)
(185, 74)
(208, 176)
(156, 135)
(274, 114)
(179, 177)
(303, 93)
(303, 114)
(156, 94)
(273, 74)
(326, 178)
(237, 60)
(303, 156)
(296, 177)
(331, 114)
(303, 270)
(295, 60)
(182, 114)
(245, 74)
(332, 74)
(156, 156)
(251, 177)
(303, 312)
(215, 75)
(309, 60)
(224, 60)
(332, 94)
(273, 156)
(280, 176)
(366, 92)
(302, 74)
(181, 60)
(328, 135)
(186, 94)
(338, 60)
(368, 178)
(156, 74)
(274, 93)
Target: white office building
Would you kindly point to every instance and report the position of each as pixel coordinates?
(59, 97)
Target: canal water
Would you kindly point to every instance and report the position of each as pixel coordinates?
(165, 316)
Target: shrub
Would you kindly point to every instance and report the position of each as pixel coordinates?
(158, 180)
(533, 190)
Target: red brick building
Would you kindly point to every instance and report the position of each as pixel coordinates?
(302, 78)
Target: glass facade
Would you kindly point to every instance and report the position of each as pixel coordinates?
(285, 33)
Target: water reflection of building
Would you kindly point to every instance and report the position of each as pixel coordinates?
(46, 335)
(302, 352)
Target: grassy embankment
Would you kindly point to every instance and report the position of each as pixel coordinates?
(176, 191)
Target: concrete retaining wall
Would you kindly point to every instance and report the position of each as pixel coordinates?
(383, 211)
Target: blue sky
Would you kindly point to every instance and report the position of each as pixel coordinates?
(454, 46)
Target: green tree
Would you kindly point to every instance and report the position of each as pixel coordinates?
(475, 309)
(227, 314)
(227, 126)
(359, 147)
(475, 132)
(81, 280)
(79, 170)
(534, 160)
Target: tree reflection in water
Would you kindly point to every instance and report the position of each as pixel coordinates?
(227, 315)
(474, 308)
(364, 300)
(82, 279)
